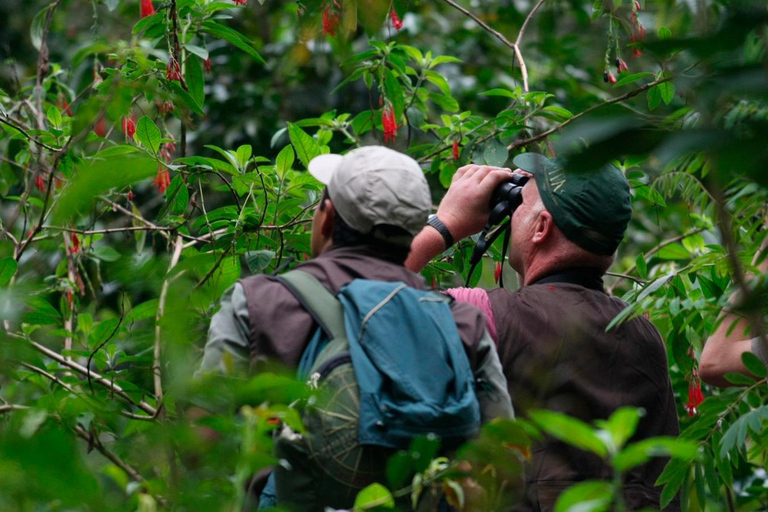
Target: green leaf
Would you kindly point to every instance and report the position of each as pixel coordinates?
(106, 253)
(570, 430)
(195, 80)
(183, 98)
(363, 122)
(257, 261)
(394, 93)
(495, 153)
(284, 161)
(148, 134)
(306, 146)
(673, 476)
(499, 92)
(641, 452)
(739, 379)
(561, 112)
(654, 97)
(37, 27)
(177, 195)
(673, 252)
(439, 81)
(374, 496)
(54, 116)
(243, 154)
(667, 91)
(642, 266)
(664, 33)
(231, 36)
(589, 496)
(622, 424)
(93, 178)
(8, 268)
(632, 78)
(754, 364)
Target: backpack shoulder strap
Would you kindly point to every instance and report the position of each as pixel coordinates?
(325, 309)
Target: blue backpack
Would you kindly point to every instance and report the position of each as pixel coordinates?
(388, 365)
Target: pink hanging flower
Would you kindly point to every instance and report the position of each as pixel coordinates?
(330, 20)
(388, 122)
(173, 69)
(455, 150)
(240, 2)
(621, 66)
(75, 243)
(147, 9)
(497, 272)
(40, 183)
(397, 23)
(162, 180)
(207, 65)
(695, 396)
(168, 149)
(129, 126)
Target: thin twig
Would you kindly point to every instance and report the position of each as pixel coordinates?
(156, 362)
(29, 137)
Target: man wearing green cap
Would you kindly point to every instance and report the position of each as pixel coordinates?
(551, 333)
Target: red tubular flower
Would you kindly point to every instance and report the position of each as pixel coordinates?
(388, 122)
(147, 9)
(130, 195)
(638, 7)
(639, 32)
(40, 183)
(101, 127)
(636, 52)
(497, 272)
(621, 66)
(173, 69)
(129, 126)
(68, 295)
(695, 396)
(434, 282)
(207, 65)
(240, 2)
(611, 78)
(165, 107)
(455, 150)
(397, 23)
(330, 21)
(75, 243)
(162, 180)
(167, 150)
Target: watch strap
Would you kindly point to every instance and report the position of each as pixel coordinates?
(436, 223)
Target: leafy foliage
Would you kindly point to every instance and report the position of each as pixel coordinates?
(147, 164)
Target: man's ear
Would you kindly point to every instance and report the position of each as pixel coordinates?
(329, 219)
(544, 227)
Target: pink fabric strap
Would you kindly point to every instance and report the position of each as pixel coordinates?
(478, 298)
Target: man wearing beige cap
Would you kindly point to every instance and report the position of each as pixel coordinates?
(375, 201)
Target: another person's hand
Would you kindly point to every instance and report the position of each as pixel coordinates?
(466, 206)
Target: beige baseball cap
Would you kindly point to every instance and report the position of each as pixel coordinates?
(374, 185)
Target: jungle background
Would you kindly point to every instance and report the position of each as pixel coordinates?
(152, 153)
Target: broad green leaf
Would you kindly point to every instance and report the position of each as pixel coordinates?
(257, 261)
(244, 153)
(628, 79)
(8, 268)
(673, 252)
(642, 266)
(37, 27)
(654, 97)
(195, 80)
(590, 496)
(284, 161)
(499, 92)
(622, 424)
(570, 430)
(561, 112)
(93, 178)
(106, 253)
(183, 99)
(123, 149)
(739, 379)
(374, 496)
(642, 451)
(306, 146)
(233, 37)
(177, 195)
(667, 91)
(495, 153)
(754, 364)
(673, 476)
(665, 33)
(54, 116)
(394, 93)
(148, 134)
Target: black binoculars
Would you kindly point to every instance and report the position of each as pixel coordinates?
(504, 200)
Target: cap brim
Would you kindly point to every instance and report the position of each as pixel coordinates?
(532, 162)
(322, 167)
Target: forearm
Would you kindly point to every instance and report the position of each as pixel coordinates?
(425, 246)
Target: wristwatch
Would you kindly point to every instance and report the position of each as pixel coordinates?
(442, 229)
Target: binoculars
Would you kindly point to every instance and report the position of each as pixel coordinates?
(504, 200)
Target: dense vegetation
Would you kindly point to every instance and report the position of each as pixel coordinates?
(152, 154)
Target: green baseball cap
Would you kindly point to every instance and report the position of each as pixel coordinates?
(591, 208)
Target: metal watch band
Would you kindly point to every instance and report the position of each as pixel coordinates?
(440, 227)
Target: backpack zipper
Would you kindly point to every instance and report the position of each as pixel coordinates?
(327, 367)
